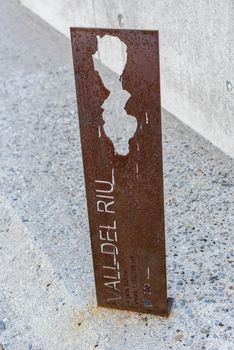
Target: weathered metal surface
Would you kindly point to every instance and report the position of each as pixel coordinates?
(124, 192)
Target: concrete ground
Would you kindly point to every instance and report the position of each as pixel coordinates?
(47, 298)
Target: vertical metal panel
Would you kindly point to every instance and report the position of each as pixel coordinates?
(124, 192)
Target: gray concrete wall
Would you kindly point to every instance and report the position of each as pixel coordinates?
(196, 50)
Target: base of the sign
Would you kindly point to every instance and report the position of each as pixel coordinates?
(163, 313)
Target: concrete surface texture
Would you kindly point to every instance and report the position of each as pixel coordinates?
(47, 296)
(197, 52)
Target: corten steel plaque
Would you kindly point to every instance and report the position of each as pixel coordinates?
(124, 186)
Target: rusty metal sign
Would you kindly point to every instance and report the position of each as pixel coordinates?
(124, 179)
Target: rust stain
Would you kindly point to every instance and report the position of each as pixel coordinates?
(124, 190)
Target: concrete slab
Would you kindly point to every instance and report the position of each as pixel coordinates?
(47, 298)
